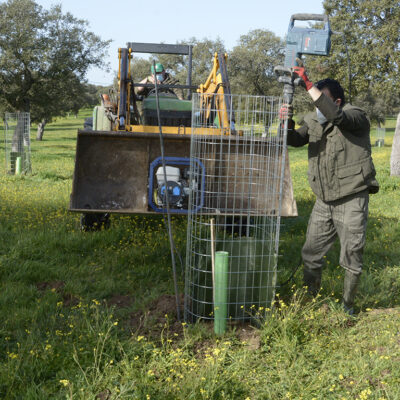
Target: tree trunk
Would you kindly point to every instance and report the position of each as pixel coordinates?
(395, 156)
(40, 130)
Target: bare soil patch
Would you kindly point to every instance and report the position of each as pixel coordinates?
(120, 301)
(159, 318)
(69, 300)
(249, 336)
(50, 285)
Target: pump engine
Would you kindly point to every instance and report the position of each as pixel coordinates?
(178, 184)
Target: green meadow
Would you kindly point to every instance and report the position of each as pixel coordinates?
(91, 315)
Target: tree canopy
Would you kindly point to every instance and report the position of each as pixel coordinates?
(371, 29)
(252, 62)
(368, 33)
(44, 58)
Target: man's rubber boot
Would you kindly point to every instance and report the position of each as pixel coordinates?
(312, 280)
(349, 291)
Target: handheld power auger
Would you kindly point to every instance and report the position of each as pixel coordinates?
(302, 40)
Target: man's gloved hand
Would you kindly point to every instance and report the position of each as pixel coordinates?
(286, 112)
(301, 72)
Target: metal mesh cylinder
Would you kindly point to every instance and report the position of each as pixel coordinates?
(237, 153)
(380, 137)
(17, 143)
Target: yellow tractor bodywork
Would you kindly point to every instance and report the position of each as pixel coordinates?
(112, 168)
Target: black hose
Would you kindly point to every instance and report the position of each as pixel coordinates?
(348, 65)
(176, 251)
(348, 60)
(292, 274)
(171, 239)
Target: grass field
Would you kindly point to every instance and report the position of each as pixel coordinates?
(91, 315)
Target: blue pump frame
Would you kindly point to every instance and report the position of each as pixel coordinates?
(174, 161)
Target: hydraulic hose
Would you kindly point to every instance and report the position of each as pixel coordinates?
(171, 239)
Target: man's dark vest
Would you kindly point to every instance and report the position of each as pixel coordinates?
(340, 162)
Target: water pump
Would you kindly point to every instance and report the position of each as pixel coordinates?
(177, 184)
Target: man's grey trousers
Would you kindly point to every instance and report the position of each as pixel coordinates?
(344, 218)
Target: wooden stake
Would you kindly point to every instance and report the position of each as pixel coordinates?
(213, 255)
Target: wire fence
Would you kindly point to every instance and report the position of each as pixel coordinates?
(238, 153)
(17, 143)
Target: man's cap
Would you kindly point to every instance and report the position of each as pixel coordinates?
(159, 68)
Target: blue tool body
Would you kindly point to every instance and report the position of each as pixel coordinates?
(304, 40)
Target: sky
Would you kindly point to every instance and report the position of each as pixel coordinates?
(171, 21)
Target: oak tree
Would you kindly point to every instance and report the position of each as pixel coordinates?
(44, 58)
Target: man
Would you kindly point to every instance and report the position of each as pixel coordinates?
(341, 174)
(163, 78)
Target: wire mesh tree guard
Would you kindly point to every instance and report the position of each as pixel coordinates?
(17, 143)
(239, 148)
(380, 137)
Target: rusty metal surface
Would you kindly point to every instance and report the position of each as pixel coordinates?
(244, 190)
(112, 169)
(112, 172)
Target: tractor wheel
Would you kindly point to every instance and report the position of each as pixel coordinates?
(91, 222)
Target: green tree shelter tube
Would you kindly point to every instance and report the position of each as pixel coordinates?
(220, 291)
(18, 165)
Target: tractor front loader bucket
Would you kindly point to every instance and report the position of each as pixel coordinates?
(113, 171)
